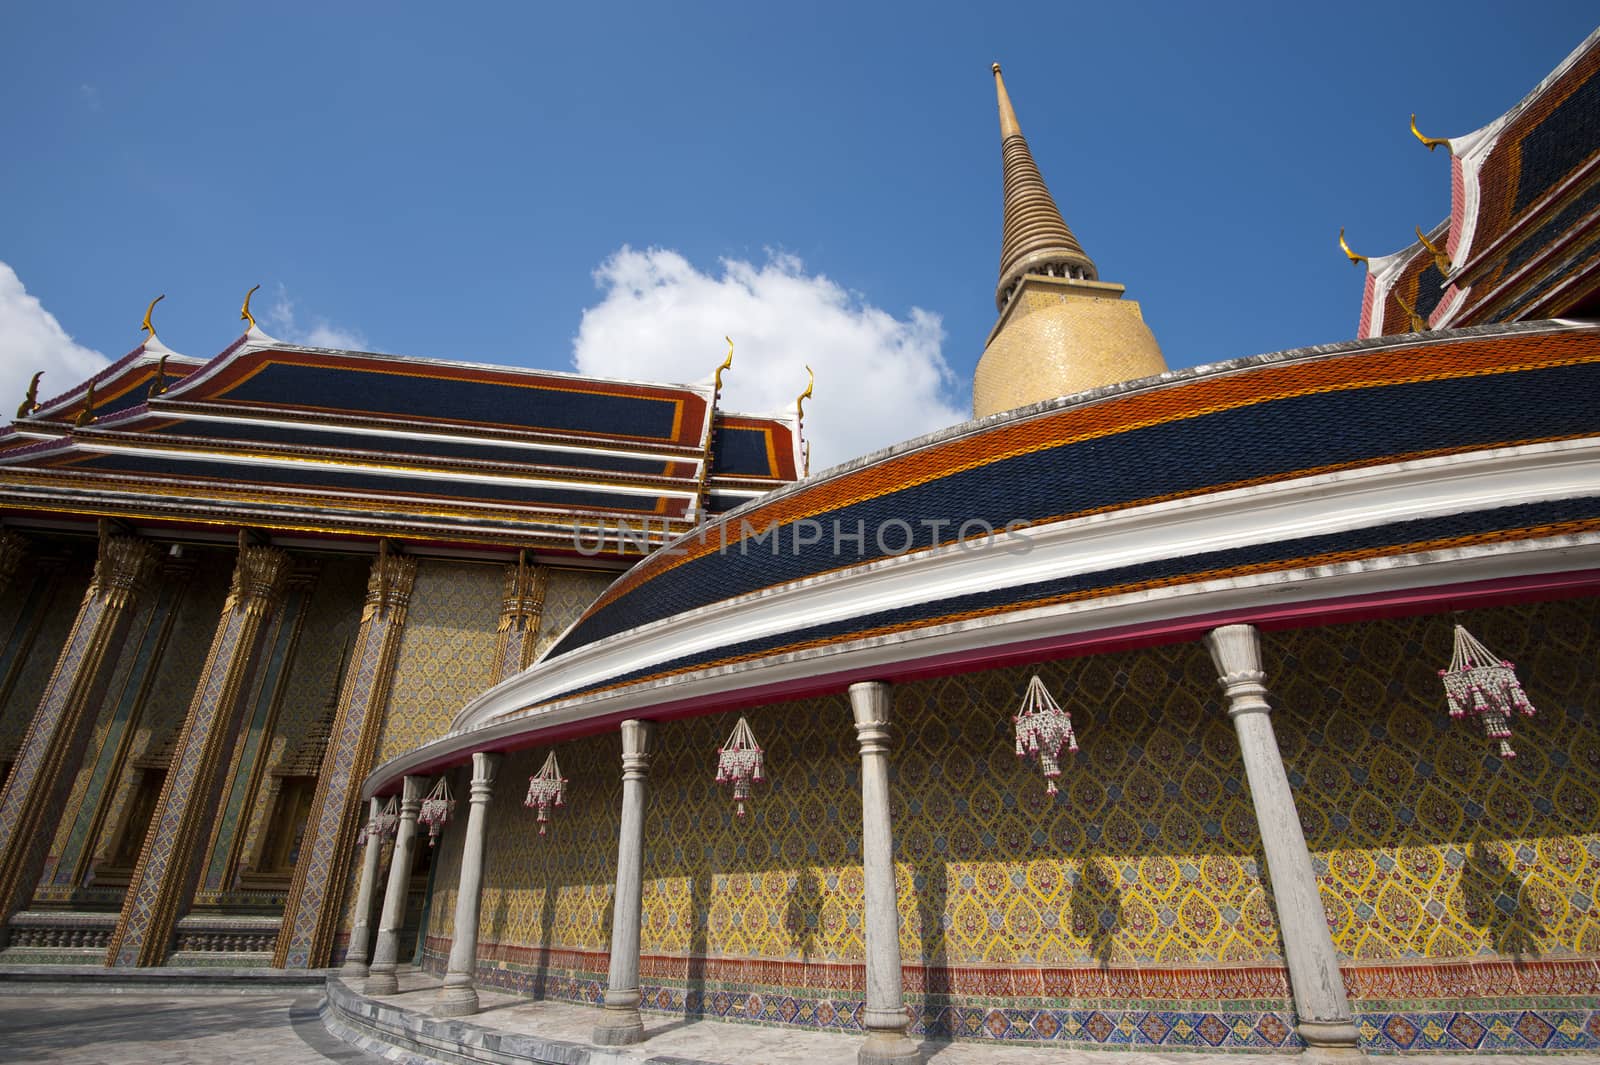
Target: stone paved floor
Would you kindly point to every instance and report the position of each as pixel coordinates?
(102, 1028)
(109, 1028)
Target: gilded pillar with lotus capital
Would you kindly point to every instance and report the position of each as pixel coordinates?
(312, 913)
(164, 877)
(521, 607)
(53, 745)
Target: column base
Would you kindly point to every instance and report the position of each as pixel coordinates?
(619, 1026)
(1330, 1038)
(458, 1001)
(353, 970)
(381, 983)
(889, 1048)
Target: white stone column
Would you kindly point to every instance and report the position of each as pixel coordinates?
(620, 1023)
(356, 957)
(381, 978)
(885, 1016)
(1319, 995)
(458, 997)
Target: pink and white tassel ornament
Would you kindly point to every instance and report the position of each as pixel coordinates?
(1044, 730)
(1480, 683)
(436, 810)
(548, 788)
(739, 762)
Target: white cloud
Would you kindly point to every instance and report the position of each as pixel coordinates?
(31, 340)
(880, 379)
(319, 333)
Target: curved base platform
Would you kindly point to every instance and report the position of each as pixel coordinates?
(512, 1029)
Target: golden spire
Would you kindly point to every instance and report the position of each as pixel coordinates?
(1034, 237)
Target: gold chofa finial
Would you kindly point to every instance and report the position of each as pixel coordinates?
(159, 385)
(800, 411)
(1441, 261)
(86, 415)
(30, 402)
(244, 312)
(145, 325)
(1354, 258)
(1416, 321)
(1431, 142)
(716, 381)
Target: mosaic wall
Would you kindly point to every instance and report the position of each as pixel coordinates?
(446, 652)
(304, 696)
(93, 818)
(543, 892)
(568, 595)
(28, 673)
(1426, 843)
(133, 662)
(1132, 910)
(446, 657)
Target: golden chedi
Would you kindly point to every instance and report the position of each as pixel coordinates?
(1061, 329)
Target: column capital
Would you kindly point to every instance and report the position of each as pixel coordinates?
(412, 791)
(259, 578)
(636, 737)
(122, 567)
(484, 766)
(389, 584)
(523, 590)
(871, 703)
(1236, 652)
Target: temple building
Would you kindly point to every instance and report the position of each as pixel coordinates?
(1151, 708)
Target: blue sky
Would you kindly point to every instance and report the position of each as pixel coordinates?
(447, 181)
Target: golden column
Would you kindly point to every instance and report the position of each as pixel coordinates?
(54, 742)
(312, 912)
(163, 879)
(521, 606)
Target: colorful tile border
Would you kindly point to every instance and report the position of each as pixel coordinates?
(1472, 1007)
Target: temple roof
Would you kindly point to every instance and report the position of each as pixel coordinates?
(1034, 237)
(333, 443)
(1523, 238)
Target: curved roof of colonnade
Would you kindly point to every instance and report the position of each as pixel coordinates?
(1328, 482)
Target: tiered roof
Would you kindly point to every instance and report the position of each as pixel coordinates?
(339, 443)
(1523, 238)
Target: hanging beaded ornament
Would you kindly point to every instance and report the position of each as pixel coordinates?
(1044, 730)
(1481, 683)
(436, 810)
(739, 762)
(388, 818)
(547, 789)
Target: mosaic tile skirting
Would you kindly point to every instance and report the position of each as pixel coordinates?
(1470, 1007)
